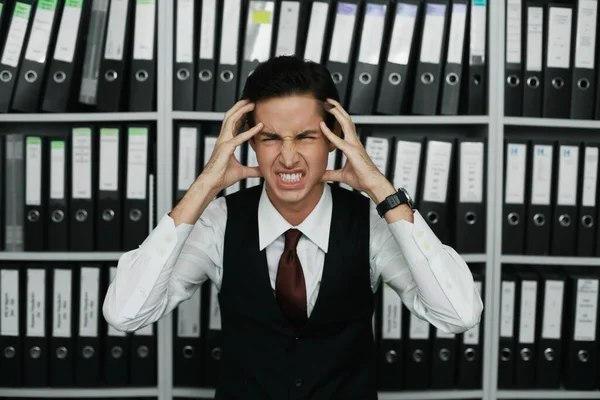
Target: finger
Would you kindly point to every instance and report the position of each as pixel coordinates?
(244, 136)
(337, 105)
(332, 175)
(347, 125)
(335, 139)
(232, 124)
(236, 107)
(251, 172)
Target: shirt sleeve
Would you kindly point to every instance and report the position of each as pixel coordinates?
(432, 280)
(166, 269)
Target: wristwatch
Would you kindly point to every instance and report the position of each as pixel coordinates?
(394, 200)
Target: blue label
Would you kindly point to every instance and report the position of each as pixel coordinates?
(346, 9)
(436, 9)
(377, 10)
(461, 8)
(479, 3)
(409, 10)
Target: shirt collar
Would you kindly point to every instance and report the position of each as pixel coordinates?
(271, 223)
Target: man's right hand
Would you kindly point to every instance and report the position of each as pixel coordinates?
(223, 169)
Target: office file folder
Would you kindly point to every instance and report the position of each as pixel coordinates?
(290, 27)
(35, 59)
(115, 364)
(539, 206)
(87, 362)
(62, 349)
(212, 355)
(142, 77)
(82, 201)
(527, 306)
(587, 220)
(443, 359)
(11, 340)
(184, 71)
(317, 30)
(513, 67)
(188, 158)
(228, 79)
(583, 89)
(56, 220)
(187, 342)
(206, 76)
(143, 356)
(506, 351)
(514, 216)
(34, 225)
(470, 354)
(477, 79)
(417, 366)
(533, 74)
(564, 223)
(365, 77)
(390, 345)
(408, 162)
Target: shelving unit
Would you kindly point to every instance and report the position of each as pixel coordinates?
(492, 125)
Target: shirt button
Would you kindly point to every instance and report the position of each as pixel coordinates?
(298, 382)
(427, 246)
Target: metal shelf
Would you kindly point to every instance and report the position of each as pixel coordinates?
(424, 395)
(59, 256)
(474, 258)
(551, 122)
(361, 119)
(99, 392)
(551, 260)
(80, 117)
(547, 394)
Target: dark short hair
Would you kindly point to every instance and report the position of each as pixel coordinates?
(290, 75)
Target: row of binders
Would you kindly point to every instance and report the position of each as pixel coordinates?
(548, 328)
(52, 333)
(390, 57)
(551, 59)
(444, 174)
(550, 197)
(77, 55)
(76, 188)
(411, 353)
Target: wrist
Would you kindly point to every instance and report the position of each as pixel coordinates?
(380, 191)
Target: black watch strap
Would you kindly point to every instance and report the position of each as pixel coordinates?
(392, 201)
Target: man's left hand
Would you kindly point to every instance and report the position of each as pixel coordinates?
(359, 171)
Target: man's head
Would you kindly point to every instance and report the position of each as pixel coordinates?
(292, 152)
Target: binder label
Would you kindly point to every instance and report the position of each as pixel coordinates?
(456, 37)
(378, 149)
(68, 32)
(567, 175)
(372, 34)
(391, 324)
(188, 316)
(528, 309)
(402, 33)
(440, 334)
(89, 305)
(471, 337)
(184, 42)
(143, 48)
(214, 323)
(9, 302)
(188, 156)
(288, 28)
(207, 30)
(433, 33)
(61, 325)
(513, 31)
(535, 28)
(33, 171)
(478, 32)
(586, 310)
(316, 31)
(559, 37)
(406, 171)
(109, 159)
(57, 169)
(259, 31)
(471, 172)
(81, 163)
(229, 32)
(137, 163)
(36, 302)
(115, 32)
(585, 45)
(419, 329)
(147, 330)
(41, 31)
(515, 173)
(542, 175)
(553, 306)
(508, 309)
(16, 35)
(342, 32)
(590, 177)
(437, 171)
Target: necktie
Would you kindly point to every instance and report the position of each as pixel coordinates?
(290, 288)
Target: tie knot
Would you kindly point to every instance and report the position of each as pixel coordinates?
(292, 236)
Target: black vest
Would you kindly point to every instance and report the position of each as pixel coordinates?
(263, 356)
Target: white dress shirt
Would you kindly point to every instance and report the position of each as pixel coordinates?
(432, 280)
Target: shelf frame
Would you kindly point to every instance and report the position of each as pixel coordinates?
(80, 117)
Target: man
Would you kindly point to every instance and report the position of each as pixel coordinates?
(296, 260)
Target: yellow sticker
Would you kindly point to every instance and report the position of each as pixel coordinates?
(261, 17)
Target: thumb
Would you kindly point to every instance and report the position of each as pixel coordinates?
(251, 172)
(332, 176)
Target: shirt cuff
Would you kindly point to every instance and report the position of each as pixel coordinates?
(416, 240)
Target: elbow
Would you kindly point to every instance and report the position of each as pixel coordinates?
(115, 319)
(474, 318)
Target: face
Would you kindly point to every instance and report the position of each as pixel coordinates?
(292, 151)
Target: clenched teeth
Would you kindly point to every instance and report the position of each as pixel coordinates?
(290, 177)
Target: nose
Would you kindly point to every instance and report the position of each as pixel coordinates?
(289, 153)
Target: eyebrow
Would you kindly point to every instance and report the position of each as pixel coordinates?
(273, 135)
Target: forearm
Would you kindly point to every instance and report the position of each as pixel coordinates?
(382, 189)
(194, 202)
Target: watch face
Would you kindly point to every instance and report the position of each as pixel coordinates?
(408, 198)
